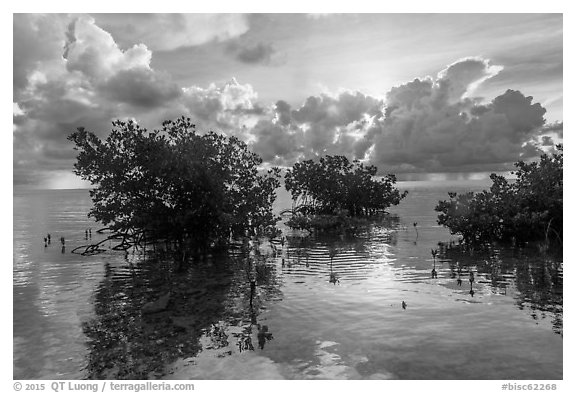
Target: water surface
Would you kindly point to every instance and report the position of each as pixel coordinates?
(313, 317)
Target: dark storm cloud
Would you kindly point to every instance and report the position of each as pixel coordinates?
(141, 87)
(260, 53)
(522, 115)
(424, 134)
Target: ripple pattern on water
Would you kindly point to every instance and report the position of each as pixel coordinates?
(333, 306)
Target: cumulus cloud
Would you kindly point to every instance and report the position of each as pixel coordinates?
(464, 76)
(79, 77)
(523, 116)
(231, 108)
(277, 144)
(93, 51)
(69, 72)
(322, 125)
(171, 31)
(432, 125)
(426, 125)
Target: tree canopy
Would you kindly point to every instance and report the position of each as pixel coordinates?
(334, 183)
(175, 183)
(528, 208)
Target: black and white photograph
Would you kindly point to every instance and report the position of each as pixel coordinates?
(287, 196)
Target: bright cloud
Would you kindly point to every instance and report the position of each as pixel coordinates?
(93, 52)
(230, 107)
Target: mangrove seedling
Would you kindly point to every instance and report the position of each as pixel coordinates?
(334, 278)
(434, 254)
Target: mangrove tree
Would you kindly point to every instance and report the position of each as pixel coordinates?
(334, 183)
(524, 209)
(196, 190)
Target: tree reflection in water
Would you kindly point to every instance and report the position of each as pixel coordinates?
(534, 279)
(219, 302)
(127, 344)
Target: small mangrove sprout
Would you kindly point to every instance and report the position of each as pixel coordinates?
(434, 254)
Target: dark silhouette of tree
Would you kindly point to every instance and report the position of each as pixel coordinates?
(172, 183)
(529, 208)
(333, 183)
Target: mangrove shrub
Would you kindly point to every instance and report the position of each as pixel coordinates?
(525, 209)
(333, 183)
(176, 184)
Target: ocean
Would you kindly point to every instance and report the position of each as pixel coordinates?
(325, 318)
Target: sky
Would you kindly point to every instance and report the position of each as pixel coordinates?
(414, 94)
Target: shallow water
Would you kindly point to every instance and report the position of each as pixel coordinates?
(325, 318)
